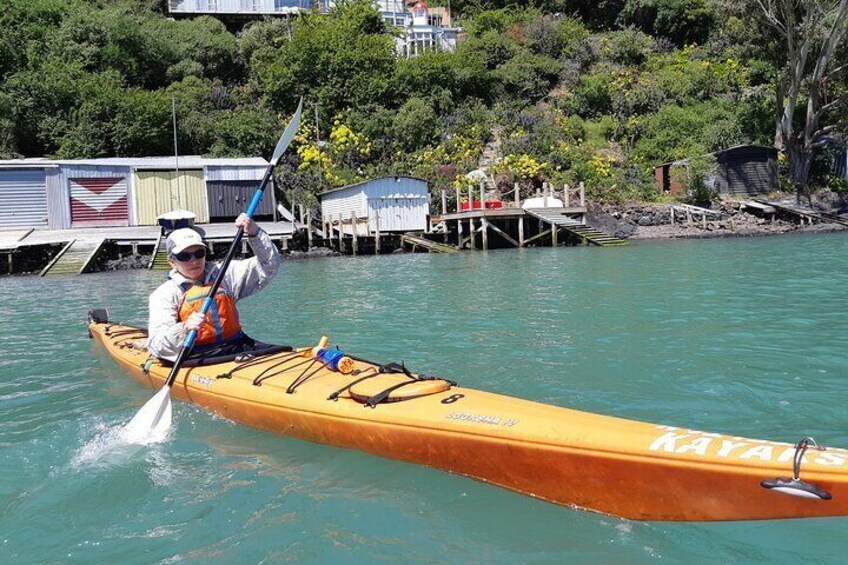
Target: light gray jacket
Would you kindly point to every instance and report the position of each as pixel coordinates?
(166, 333)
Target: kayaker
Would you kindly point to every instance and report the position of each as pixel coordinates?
(174, 307)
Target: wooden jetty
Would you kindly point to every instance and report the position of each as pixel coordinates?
(75, 251)
(802, 213)
(546, 220)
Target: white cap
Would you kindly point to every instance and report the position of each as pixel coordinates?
(182, 239)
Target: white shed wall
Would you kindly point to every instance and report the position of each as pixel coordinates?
(216, 172)
(391, 204)
(340, 205)
(398, 204)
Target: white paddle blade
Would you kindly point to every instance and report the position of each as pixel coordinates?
(288, 134)
(153, 422)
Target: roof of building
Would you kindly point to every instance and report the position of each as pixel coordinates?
(184, 162)
(396, 177)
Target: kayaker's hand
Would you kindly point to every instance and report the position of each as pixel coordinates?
(249, 226)
(194, 322)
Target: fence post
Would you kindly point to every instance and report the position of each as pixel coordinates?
(309, 229)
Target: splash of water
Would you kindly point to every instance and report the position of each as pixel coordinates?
(114, 445)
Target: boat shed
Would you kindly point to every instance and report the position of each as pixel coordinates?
(747, 170)
(61, 194)
(389, 204)
(23, 193)
(741, 170)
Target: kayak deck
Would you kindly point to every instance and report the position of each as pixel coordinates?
(612, 465)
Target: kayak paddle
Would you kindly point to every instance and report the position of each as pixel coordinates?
(153, 421)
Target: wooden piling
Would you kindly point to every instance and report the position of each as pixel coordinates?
(582, 194)
(353, 223)
(517, 196)
(309, 229)
(472, 243)
(521, 231)
(484, 229)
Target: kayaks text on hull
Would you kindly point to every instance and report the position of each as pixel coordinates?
(621, 467)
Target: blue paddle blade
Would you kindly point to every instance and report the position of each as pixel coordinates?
(288, 134)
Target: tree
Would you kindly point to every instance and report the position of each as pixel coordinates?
(811, 31)
(342, 60)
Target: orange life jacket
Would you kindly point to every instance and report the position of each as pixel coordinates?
(222, 319)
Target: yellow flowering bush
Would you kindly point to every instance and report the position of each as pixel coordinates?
(522, 166)
(336, 159)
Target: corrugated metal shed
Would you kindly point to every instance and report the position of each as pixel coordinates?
(157, 192)
(60, 189)
(747, 170)
(23, 197)
(391, 204)
(91, 192)
(742, 170)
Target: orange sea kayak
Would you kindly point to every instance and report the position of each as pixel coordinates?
(621, 467)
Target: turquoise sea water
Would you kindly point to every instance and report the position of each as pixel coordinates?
(743, 336)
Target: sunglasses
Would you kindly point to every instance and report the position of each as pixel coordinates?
(186, 256)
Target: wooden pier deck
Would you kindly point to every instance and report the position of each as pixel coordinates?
(804, 214)
(539, 220)
(32, 243)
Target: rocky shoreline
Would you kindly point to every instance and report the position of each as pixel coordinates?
(640, 221)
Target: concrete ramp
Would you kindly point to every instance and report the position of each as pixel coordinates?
(74, 259)
(159, 258)
(416, 241)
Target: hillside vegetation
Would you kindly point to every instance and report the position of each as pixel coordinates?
(558, 92)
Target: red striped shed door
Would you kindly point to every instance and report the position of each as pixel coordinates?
(99, 202)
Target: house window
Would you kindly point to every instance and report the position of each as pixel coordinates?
(435, 20)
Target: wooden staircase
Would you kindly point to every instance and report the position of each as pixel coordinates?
(595, 237)
(74, 259)
(556, 217)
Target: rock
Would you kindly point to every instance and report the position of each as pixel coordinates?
(136, 261)
(312, 253)
(645, 221)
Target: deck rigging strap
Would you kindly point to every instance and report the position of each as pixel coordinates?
(303, 377)
(253, 361)
(265, 375)
(384, 396)
(335, 395)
